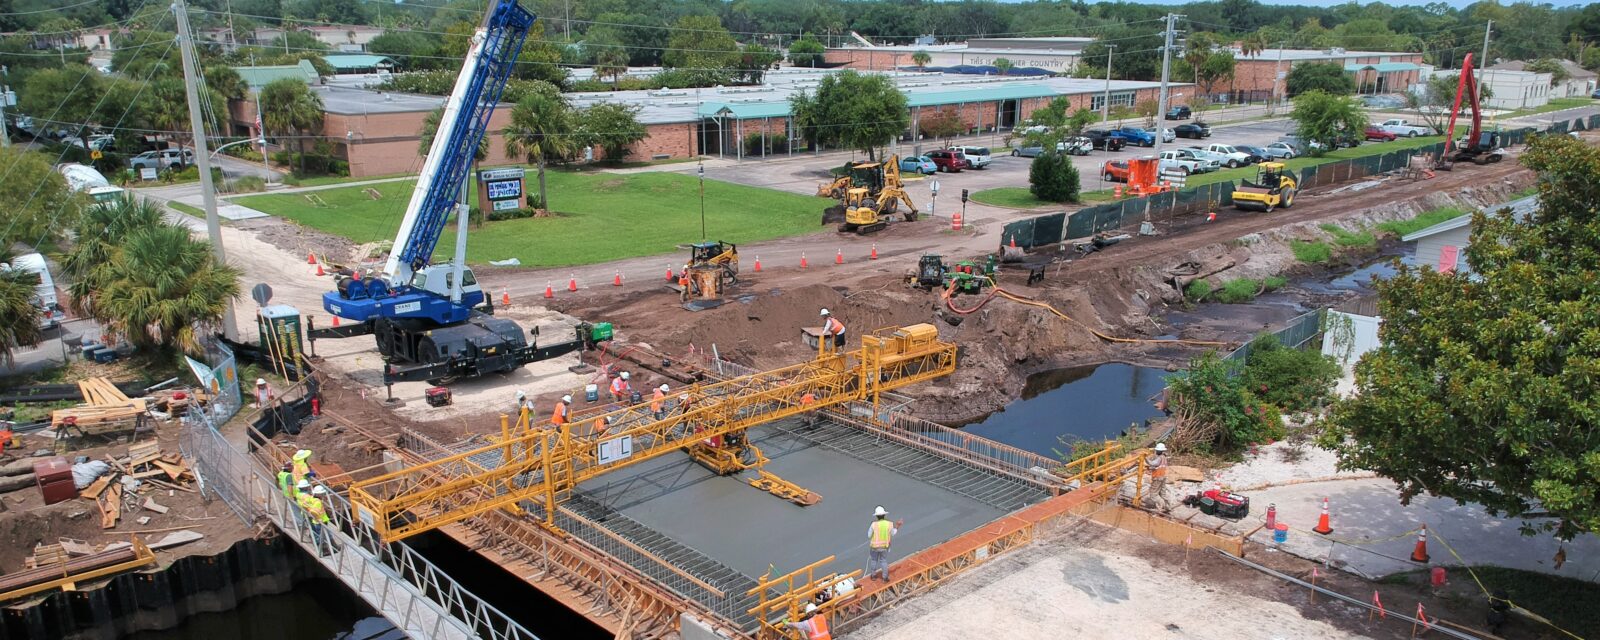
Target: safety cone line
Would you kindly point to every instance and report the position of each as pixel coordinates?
(505, 298)
(874, 255)
(311, 258)
(616, 281)
(803, 261)
(758, 264)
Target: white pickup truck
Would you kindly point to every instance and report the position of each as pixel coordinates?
(1405, 128)
(1183, 163)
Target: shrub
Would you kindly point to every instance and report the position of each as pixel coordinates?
(512, 214)
(773, 142)
(1421, 221)
(1238, 291)
(1274, 283)
(1347, 238)
(1217, 411)
(1314, 252)
(245, 184)
(1197, 290)
(1052, 178)
(1292, 379)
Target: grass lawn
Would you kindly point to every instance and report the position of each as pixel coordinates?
(193, 211)
(318, 181)
(1021, 198)
(1422, 221)
(1555, 104)
(600, 217)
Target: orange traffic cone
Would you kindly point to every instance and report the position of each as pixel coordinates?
(1420, 554)
(505, 298)
(758, 264)
(336, 321)
(617, 280)
(1211, 217)
(803, 261)
(572, 283)
(1118, 191)
(1322, 523)
(669, 273)
(311, 258)
(1013, 242)
(874, 255)
(955, 221)
(548, 292)
(838, 257)
(320, 272)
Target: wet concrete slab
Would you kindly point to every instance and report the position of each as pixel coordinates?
(750, 530)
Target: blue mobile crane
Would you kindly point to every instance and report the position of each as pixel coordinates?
(432, 321)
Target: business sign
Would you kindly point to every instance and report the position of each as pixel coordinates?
(500, 189)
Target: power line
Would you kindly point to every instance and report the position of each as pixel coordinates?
(50, 10)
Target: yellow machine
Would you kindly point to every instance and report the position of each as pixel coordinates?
(870, 206)
(541, 466)
(1274, 187)
(712, 267)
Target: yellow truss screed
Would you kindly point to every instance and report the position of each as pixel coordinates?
(545, 464)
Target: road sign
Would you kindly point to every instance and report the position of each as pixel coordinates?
(147, 173)
(261, 293)
(95, 154)
(933, 186)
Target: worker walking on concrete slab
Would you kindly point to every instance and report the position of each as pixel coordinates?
(832, 327)
(879, 534)
(620, 388)
(814, 624)
(658, 402)
(558, 417)
(1158, 475)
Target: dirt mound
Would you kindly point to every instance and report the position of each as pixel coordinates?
(764, 330)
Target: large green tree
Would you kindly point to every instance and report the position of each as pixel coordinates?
(613, 127)
(1327, 77)
(542, 128)
(701, 42)
(1324, 117)
(63, 97)
(852, 110)
(290, 108)
(1483, 388)
(38, 203)
(807, 52)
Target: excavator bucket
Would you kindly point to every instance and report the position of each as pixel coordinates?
(833, 215)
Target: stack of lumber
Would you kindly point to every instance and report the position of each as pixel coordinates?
(66, 571)
(106, 405)
(152, 468)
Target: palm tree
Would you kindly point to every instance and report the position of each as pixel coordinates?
(99, 231)
(1003, 65)
(288, 107)
(921, 59)
(1252, 45)
(19, 319)
(541, 128)
(611, 63)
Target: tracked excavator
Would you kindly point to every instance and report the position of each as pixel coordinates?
(872, 200)
(1478, 146)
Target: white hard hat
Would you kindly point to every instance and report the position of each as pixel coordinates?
(624, 375)
(824, 312)
(1161, 446)
(566, 398)
(663, 388)
(811, 606)
(319, 490)
(521, 394)
(303, 484)
(260, 381)
(880, 511)
(610, 419)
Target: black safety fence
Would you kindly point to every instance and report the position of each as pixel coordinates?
(1059, 227)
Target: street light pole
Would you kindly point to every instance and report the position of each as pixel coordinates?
(700, 169)
(1166, 72)
(1105, 103)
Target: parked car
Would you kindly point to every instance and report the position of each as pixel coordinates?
(1179, 113)
(1075, 146)
(1405, 128)
(1257, 154)
(1232, 156)
(1180, 162)
(1212, 159)
(162, 159)
(1167, 135)
(1028, 151)
(1300, 145)
(1114, 171)
(978, 157)
(1196, 130)
(1374, 132)
(97, 142)
(1595, 95)
(1138, 136)
(44, 297)
(1346, 140)
(918, 164)
(1281, 151)
(1106, 140)
(949, 160)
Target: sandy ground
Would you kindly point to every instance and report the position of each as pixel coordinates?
(1270, 465)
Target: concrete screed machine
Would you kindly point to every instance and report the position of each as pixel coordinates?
(869, 197)
(432, 321)
(1274, 187)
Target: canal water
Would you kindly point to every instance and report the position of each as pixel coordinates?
(1079, 403)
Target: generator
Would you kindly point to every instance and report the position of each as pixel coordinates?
(967, 276)
(437, 396)
(1223, 504)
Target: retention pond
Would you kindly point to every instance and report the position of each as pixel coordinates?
(1092, 402)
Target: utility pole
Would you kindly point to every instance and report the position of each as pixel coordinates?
(1105, 103)
(1483, 65)
(202, 157)
(1166, 73)
(5, 101)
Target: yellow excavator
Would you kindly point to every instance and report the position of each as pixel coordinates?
(872, 200)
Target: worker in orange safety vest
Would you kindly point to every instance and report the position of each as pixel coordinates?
(558, 417)
(879, 534)
(814, 625)
(832, 327)
(1158, 474)
(658, 401)
(619, 387)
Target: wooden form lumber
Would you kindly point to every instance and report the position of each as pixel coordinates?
(105, 404)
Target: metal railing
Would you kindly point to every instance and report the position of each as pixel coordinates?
(418, 597)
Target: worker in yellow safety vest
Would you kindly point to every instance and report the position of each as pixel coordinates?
(832, 327)
(286, 480)
(879, 534)
(658, 401)
(317, 513)
(814, 625)
(559, 416)
(619, 387)
(302, 465)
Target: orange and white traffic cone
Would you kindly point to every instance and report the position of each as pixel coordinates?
(1322, 523)
(874, 255)
(548, 291)
(1013, 242)
(669, 274)
(505, 298)
(803, 261)
(311, 258)
(320, 272)
(838, 256)
(1211, 217)
(572, 283)
(616, 281)
(758, 264)
(955, 221)
(336, 321)
(1420, 553)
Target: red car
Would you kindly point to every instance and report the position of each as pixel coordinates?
(1375, 133)
(949, 160)
(1115, 171)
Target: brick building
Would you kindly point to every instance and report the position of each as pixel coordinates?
(1031, 55)
(1374, 71)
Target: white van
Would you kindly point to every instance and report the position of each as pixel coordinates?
(51, 313)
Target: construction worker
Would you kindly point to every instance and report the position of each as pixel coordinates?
(559, 416)
(302, 465)
(522, 402)
(658, 402)
(879, 534)
(602, 424)
(286, 480)
(814, 624)
(317, 513)
(832, 327)
(1158, 473)
(684, 284)
(301, 490)
(620, 388)
(263, 394)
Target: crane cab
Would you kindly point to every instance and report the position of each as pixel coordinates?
(438, 280)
